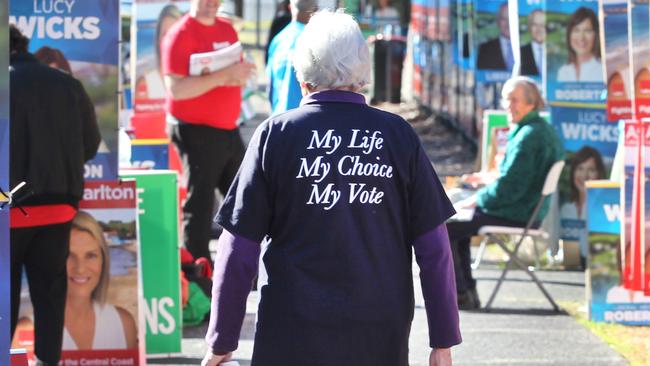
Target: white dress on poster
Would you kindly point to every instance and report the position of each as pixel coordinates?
(155, 85)
(109, 330)
(590, 71)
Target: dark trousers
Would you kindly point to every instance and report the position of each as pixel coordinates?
(43, 250)
(211, 158)
(460, 233)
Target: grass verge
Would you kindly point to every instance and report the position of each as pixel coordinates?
(631, 342)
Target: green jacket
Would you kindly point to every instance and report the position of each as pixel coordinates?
(533, 146)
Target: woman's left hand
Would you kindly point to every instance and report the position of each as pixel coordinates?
(211, 359)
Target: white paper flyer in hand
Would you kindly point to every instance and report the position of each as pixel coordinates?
(207, 62)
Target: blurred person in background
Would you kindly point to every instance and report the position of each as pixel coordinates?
(202, 113)
(53, 133)
(284, 89)
(53, 57)
(281, 18)
(340, 288)
(508, 198)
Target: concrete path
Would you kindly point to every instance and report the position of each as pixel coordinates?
(520, 330)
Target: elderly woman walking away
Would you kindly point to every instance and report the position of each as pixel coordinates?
(343, 193)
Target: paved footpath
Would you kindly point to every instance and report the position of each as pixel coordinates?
(520, 330)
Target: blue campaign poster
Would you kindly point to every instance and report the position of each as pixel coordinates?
(81, 38)
(617, 59)
(609, 299)
(585, 126)
(574, 57)
(444, 20)
(152, 21)
(463, 48)
(495, 57)
(4, 182)
(590, 143)
(532, 39)
(150, 154)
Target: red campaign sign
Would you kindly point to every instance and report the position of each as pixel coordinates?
(417, 81)
(619, 109)
(100, 358)
(19, 359)
(116, 194)
(642, 94)
(25, 340)
(632, 134)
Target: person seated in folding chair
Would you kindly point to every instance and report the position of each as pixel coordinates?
(508, 198)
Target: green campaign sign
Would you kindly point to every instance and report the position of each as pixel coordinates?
(159, 249)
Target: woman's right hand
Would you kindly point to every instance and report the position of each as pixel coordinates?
(440, 357)
(211, 359)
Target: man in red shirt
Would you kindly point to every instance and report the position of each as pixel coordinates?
(203, 110)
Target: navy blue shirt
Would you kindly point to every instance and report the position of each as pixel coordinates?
(340, 190)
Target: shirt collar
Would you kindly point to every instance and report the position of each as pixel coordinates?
(335, 96)
(527, 119)
(22, 57)
(297, 24)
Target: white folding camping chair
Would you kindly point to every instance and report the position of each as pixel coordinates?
(496, 234)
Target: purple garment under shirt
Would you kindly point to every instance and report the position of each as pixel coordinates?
(433, 256)
(236, 267)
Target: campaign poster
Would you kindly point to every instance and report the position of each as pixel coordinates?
(102, 270)
(152, 21)
(495, 57)
(573, 52)
(467, 100)
(432, 19)
(426, 65)
(633, 232)
(492, 120)
(4, 186)
(416, 55)
(532, 39)
(640, 57)
(418, 17)
(645, 210)
(150, 153)
(159, 248)
(126, 11)
(444, 20)
(616, 43)
(82, 39)
(437, 74)
(609, 300)
(463, 45)
(590, 144)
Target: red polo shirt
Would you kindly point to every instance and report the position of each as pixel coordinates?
(220, 106)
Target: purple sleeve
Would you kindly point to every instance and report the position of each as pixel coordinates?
(235, 268)
(433, 255)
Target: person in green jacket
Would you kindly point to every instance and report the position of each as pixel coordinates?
(509, 197)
